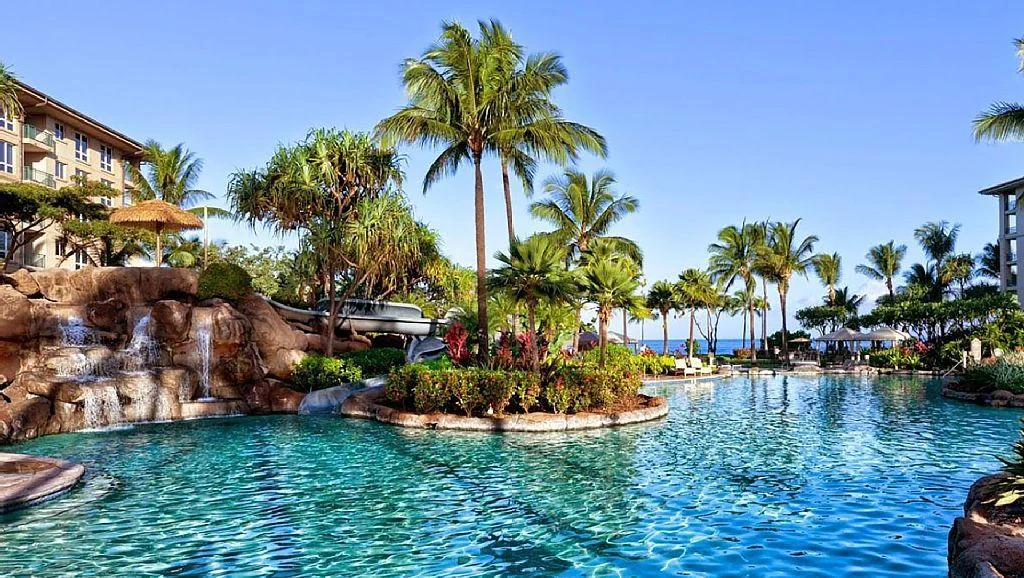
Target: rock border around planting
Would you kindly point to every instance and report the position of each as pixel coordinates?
(997, 398)
(364, 404)
(987, 541)
(26, 480)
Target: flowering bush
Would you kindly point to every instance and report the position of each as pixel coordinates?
(897, 358)
(455, 338)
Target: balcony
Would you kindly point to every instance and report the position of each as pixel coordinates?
(37, 176)
(35, 140)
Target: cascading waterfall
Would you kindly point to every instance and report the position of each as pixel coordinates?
(141, 352)
(74, 332)
(203, 345)
(81, 364)
(102, 406)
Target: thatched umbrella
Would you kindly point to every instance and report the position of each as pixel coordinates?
(156, 216)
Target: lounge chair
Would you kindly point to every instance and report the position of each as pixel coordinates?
(682, 368)
(699, 367)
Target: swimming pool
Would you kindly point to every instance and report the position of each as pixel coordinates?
(781, 476)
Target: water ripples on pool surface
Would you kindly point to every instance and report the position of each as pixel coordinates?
(763, 477)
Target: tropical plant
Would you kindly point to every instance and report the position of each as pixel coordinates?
(884, 262)
(375, 361)
(937, 240)
(26, 207)
(733, 257)
(664, 297)
(10, 106)
(224, 281)
(849, 302)
(783, 256)
(456, 99)
(583, 212)
(959, 269)
(316, 372)
(828, 267)
(695, 289)
(606, 283)
(532, 271)
(531, 125)
(171, 175)
(1003, 120)
(989, 261)
(334, 188)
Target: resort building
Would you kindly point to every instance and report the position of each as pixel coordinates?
(1011, 225)
(51, 143)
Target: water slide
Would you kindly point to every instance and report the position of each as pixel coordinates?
(367, 316)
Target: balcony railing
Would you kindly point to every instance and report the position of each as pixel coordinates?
(1011, 230)
(30, 132)
(37, 176)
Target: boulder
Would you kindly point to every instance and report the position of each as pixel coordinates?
(171, 321)
(978, 550)
(229, 329)
(108, 315)
(133, 285)
(280, 346)
(25, 419)
(16, 315)
(13, 357)
(23, 282)
(273, 396)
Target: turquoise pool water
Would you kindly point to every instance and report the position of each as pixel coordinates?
(764, 477)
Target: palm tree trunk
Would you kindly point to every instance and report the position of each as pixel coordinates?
(602, 334)
(888, 285)
(743, 334)
(531, 319)
(625, 328)
(481, 262)
(576, 331)
(753, 337)
(664, 332)
(689, 344)
(508, 200)
(782, 309)
(764, 315)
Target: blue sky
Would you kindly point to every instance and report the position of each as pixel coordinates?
(854, 116)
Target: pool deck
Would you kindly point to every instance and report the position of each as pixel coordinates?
(26, 480)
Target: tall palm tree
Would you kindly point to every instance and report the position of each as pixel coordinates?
(171, 175)
(938, 240)
(733, 257)
(533, 270)
(695, 290)
(533, 127)
(584, 212)
(884, 262)
(664, 297)
(745, 299)
(456, 96)
(927, 278)
(958, 269)
(606, 284)
(847, 301)
(1003, 120)
(989, 261)
(783, 256)
(762, 306)
(828, 267)
(9, 103)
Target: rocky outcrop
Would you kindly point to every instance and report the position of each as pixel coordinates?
(997, 398)
(988, 541)
(88, 348)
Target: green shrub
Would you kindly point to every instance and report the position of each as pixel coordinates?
(319, 372)
(429, 393)
(497, 389)
(989, 377)
(224, 280)
(377, 361)
(896, 358)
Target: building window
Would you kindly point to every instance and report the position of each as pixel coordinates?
(107, 201)
(81, 259)
(81, 147)
(60, 170)
(6, 157)
(59, 246)
(5, 121)
(58, 130)
(126, 197)
(81, 173)
(5, 243)
(106, 158)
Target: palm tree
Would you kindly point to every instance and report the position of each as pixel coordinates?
(532, 126)
(762, 306)
(695, 288)
(10, 106)
(927, 278)
(828, 267)
(583, 212)
(958, 269)
(456, 96)
(1003, 120)
(884, 263)
(745, 299)
(606, 283)
(663, 297)
(938, 240)
(989, 260)
(848, 302)
(783, 256)
(533, 270)
(733, 257)
(170, 175)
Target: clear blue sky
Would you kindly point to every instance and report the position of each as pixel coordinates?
(854, 115)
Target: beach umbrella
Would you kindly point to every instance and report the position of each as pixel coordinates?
(886, 334)
(156, 216)
(844, 334)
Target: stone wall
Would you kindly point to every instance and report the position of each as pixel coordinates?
(101, 346)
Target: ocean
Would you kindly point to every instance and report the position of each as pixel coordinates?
(725, 346)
